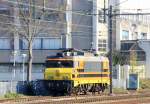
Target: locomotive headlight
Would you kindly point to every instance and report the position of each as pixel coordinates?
(50, 77)
(65, 77)
(57, 73)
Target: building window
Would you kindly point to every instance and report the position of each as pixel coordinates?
(51, 43)
(24, 5)
(102, 45)
(35, 45)
(143, 36)
(4, 9)
(125, 35)
(53, 15)
(42, 43)
(5, 43)
(37, 68)
(101, 16)
(50, 15)
(24, 44)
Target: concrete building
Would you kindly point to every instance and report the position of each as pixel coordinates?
(130, 31)
(136, 28)
(133, 28)
(67, 24)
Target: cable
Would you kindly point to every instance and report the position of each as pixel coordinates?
(54, 29)
(49, 21)
(12, 30)
(46, 21)
(64, 11)
(65, 23)
(82, 12)
(120, 3)
(41, 7)
(48, 28)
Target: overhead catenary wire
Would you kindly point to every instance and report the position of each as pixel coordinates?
(80, 12)
(47, 21)
(118, 4)
(59, 22)
(71, 24)
(64, 11)
(45, 28)
(48, 28)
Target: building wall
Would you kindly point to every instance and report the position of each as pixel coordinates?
(7, 72)
(82, 24)
(135, 30)
(60, 28)
(100, 27)
(131, 27)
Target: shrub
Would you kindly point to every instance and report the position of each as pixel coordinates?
(145, 83)
(12, 95)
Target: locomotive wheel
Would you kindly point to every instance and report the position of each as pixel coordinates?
(93, 89)
(84, 89)
(76, 90)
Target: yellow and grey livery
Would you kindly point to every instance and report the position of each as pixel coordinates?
(77, 73)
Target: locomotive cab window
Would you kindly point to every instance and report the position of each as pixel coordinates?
(59, 64)
(92, 67)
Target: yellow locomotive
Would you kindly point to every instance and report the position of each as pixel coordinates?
(71, 72)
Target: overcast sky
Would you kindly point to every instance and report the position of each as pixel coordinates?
(136, 4)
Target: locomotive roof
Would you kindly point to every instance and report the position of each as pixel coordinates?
(84, 58)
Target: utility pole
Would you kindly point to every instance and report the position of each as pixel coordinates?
(104, 11)
(110, 15)
(110, 44)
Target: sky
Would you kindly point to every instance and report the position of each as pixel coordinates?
(136, 4)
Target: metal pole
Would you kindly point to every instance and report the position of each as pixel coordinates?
(23, 68)
(14, 65)
(104, 11)
(110, 45)
(61, 39)
(13, 70)
(44, 3)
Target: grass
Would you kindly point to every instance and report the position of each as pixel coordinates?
(12, 95)
(120, 91)
(117, 91)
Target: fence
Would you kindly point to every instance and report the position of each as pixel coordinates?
(14, 87)
(7, 86)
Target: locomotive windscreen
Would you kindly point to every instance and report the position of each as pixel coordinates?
(59, 64)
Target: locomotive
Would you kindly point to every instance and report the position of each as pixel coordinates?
(76, 72)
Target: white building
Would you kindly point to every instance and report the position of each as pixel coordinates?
(130, 30)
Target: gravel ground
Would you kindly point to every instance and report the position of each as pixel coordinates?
(130, 98)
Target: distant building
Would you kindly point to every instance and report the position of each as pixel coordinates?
(128, 30)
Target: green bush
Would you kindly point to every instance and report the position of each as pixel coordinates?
(145, 83)
(12, 95)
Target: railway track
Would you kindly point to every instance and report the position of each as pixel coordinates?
(88, 99)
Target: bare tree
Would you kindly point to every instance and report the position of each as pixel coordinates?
(31, 17)
(29, 26)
